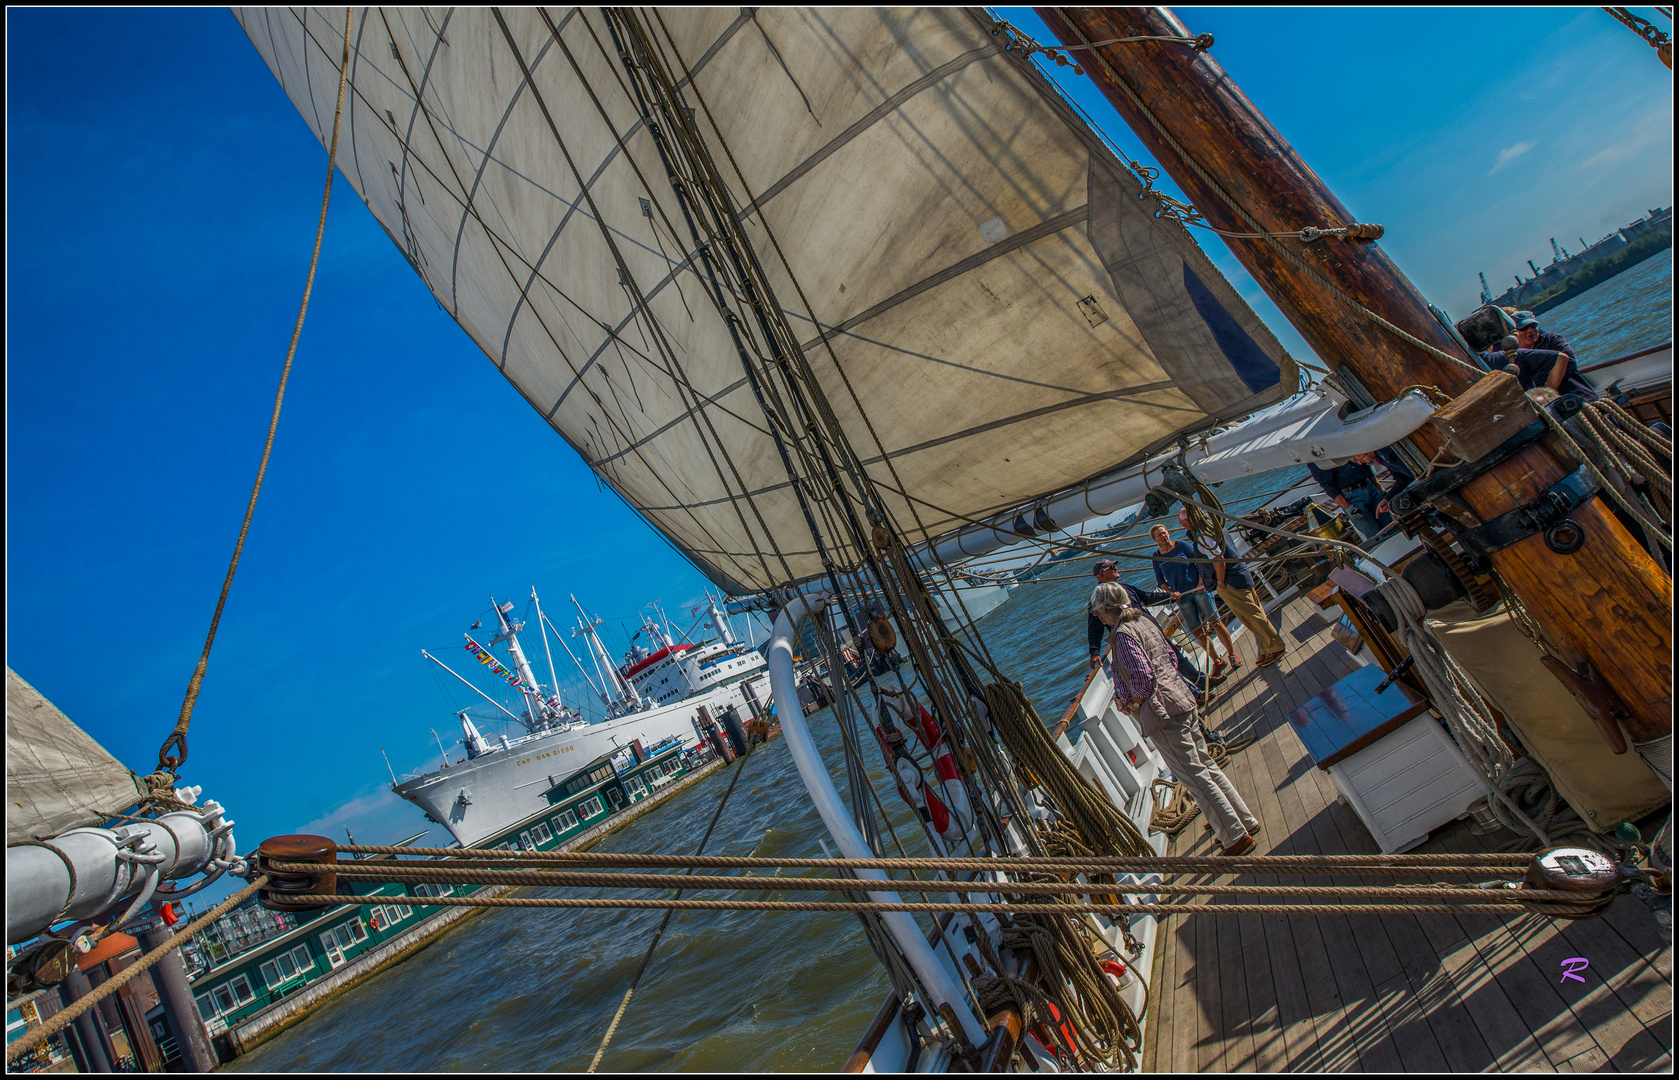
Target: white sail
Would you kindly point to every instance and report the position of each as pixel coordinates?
(57, 776)
(991, 311)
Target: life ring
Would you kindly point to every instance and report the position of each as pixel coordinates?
(952, 816)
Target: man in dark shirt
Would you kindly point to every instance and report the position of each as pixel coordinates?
(1351, 482)
(1095, 632)
(1534, 368)
(1530, 336)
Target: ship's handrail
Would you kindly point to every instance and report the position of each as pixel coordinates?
(1601, 364)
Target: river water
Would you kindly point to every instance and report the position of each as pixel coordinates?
(534, 989)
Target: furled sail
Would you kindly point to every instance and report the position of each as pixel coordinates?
(57, 776)
(989, 308)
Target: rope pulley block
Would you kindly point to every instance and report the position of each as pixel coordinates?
(283, 886)
(1591, 874)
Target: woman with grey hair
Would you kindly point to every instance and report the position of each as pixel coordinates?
(1147, 685)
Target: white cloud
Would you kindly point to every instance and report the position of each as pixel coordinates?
(1511, 153)
(377, 817)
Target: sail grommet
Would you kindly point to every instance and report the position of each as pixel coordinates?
(286, 888)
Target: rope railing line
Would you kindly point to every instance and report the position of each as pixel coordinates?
(604, 880)
(1215, 864)
(62, 1019)
(935, 907)
(1095, 863)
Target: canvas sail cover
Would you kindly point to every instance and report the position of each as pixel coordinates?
(992, 312)
(57, 776)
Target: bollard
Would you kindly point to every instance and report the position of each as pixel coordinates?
(169, 975)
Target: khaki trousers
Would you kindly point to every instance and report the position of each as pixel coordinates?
(1184, 751)
(1246, 606)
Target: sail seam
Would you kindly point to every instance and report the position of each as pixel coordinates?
(890, 105)
(1049, 227)
(478, 176)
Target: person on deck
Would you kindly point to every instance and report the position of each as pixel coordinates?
(1107, 570)
(1352, 483)
(1536, 368)
(1530, 336)
(1236, 588)
(1147, 686)
(1188, 575)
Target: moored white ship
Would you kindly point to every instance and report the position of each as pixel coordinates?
(654, 697)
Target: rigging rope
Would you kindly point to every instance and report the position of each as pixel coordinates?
(168, 761)
(1260, 232)
(660, 932)
(1548, 901)
(1455, 696)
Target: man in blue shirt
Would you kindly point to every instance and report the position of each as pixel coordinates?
(1191, 584)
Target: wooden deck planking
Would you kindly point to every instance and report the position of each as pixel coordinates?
(1413, 993)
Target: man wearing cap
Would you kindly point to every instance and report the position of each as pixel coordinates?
(1540, 358)
(1351, 482)
(1530, 336)
(1106, 570)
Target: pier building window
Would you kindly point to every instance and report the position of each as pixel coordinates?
(566, 821)
(540, 831)
(206, 1007)
(525, 841)
(636, 788)
(591, 808)
(402, 910)
(228, 996)
(286, 966)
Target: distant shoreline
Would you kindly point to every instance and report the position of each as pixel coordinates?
(1600, 270)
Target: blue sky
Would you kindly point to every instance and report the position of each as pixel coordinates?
(162, 201)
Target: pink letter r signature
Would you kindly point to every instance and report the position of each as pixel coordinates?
(1580, 964)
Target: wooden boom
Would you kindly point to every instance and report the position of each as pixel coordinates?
(1608, 603)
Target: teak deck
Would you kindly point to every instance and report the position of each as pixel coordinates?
(1368, 993)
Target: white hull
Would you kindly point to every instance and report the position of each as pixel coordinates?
(505, 786)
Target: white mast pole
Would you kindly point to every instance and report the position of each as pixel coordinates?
(469, 686)
(542, 629)
(718, 623)
(605, 658)
(533, 700)
(581, 670)
(609, 685)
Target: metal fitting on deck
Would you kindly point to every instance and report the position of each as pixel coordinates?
(283, 888)
(1590, 874)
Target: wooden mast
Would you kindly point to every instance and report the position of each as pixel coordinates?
(1607, 603)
